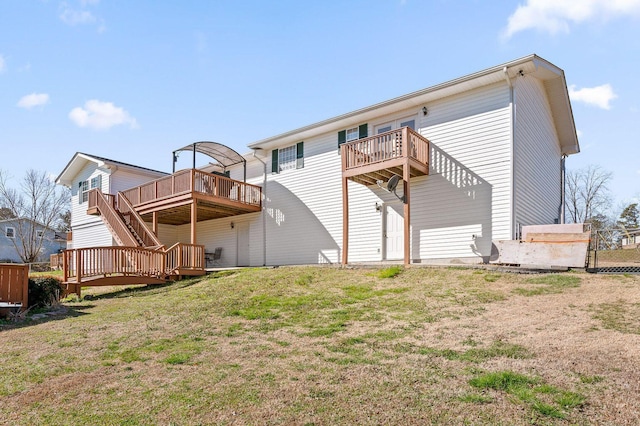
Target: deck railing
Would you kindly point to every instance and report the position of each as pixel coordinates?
(137, 261)
(403, 142)
(184, 256)
(135, 221)
(14, 285)
(194, 181)
(108, 261)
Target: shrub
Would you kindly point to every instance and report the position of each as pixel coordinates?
(44, 291)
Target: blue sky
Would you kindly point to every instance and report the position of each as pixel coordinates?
(135, 80)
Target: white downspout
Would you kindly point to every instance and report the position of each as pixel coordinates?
(512, 166)
(562, 188)
(264, 210)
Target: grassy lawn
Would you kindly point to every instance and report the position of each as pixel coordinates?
(326, 346)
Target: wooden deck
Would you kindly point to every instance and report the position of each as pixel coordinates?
(101, 266)
(379, 157)
(170, 198)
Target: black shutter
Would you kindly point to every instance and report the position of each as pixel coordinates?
(300, 155)
(274, 161)
(342, 138)
(362, 131)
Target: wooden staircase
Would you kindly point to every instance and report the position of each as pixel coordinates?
(139, 258)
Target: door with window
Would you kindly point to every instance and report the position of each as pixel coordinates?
(392, 232)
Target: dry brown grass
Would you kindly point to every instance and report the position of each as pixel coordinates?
(323, 346)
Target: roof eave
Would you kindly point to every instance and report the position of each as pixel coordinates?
(544, 70)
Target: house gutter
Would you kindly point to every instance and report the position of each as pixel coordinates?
(264, 208)
(514, 231)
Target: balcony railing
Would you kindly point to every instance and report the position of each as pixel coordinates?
(195, 181)
(383, 147)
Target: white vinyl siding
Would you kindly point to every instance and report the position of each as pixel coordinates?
(122, 180)
(79, 214)
(464, 203)
(466, 195)
(92, 235)
(537, 156)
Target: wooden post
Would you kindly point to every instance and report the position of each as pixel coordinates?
(24, 276)
(345, 209)
(78, 266)
(194, 220)
(77, 287)
(406, 175)
(154, 223)
(65, 266)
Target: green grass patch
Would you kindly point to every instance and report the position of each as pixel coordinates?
(620, 316)
(542, 398)
(498, 349)
(390, 272)
(548, 284)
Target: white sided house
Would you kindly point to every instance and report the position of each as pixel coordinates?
(474, 159)
(86, 172)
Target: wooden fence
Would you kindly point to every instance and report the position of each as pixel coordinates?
(14, 285)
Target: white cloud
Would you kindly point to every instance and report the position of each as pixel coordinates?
(99, 115)
(33, 100)
(599, 96)
(82, 16)
(77, 17)
(555, 16)
(3, 64)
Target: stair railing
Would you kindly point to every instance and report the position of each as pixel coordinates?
(149, 239)
(114, 221)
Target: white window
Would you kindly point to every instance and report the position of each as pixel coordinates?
(85, 185)
(291, 157)
(352, 134)
(83, 191)
(10, 232)
(96, 181)
(287, 158)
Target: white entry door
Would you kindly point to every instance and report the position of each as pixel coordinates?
(392, 232)
(242, 229)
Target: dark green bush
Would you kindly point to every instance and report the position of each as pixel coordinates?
(44, 291)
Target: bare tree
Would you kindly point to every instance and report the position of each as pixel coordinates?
(587, 193)
(36, 207)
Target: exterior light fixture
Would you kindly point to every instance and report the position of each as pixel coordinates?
(378, 207)
(425, 111)
(233, 225)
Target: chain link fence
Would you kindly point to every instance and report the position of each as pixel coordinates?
(614, 250)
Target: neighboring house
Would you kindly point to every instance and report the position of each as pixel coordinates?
(10, 239)
(631, 239)
(476, 158)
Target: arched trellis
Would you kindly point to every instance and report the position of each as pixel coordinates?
(222, 154)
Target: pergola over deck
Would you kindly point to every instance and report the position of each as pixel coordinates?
(403, 152)
(223, 155)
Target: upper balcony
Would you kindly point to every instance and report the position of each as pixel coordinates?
(379, 157)
(215, 197)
